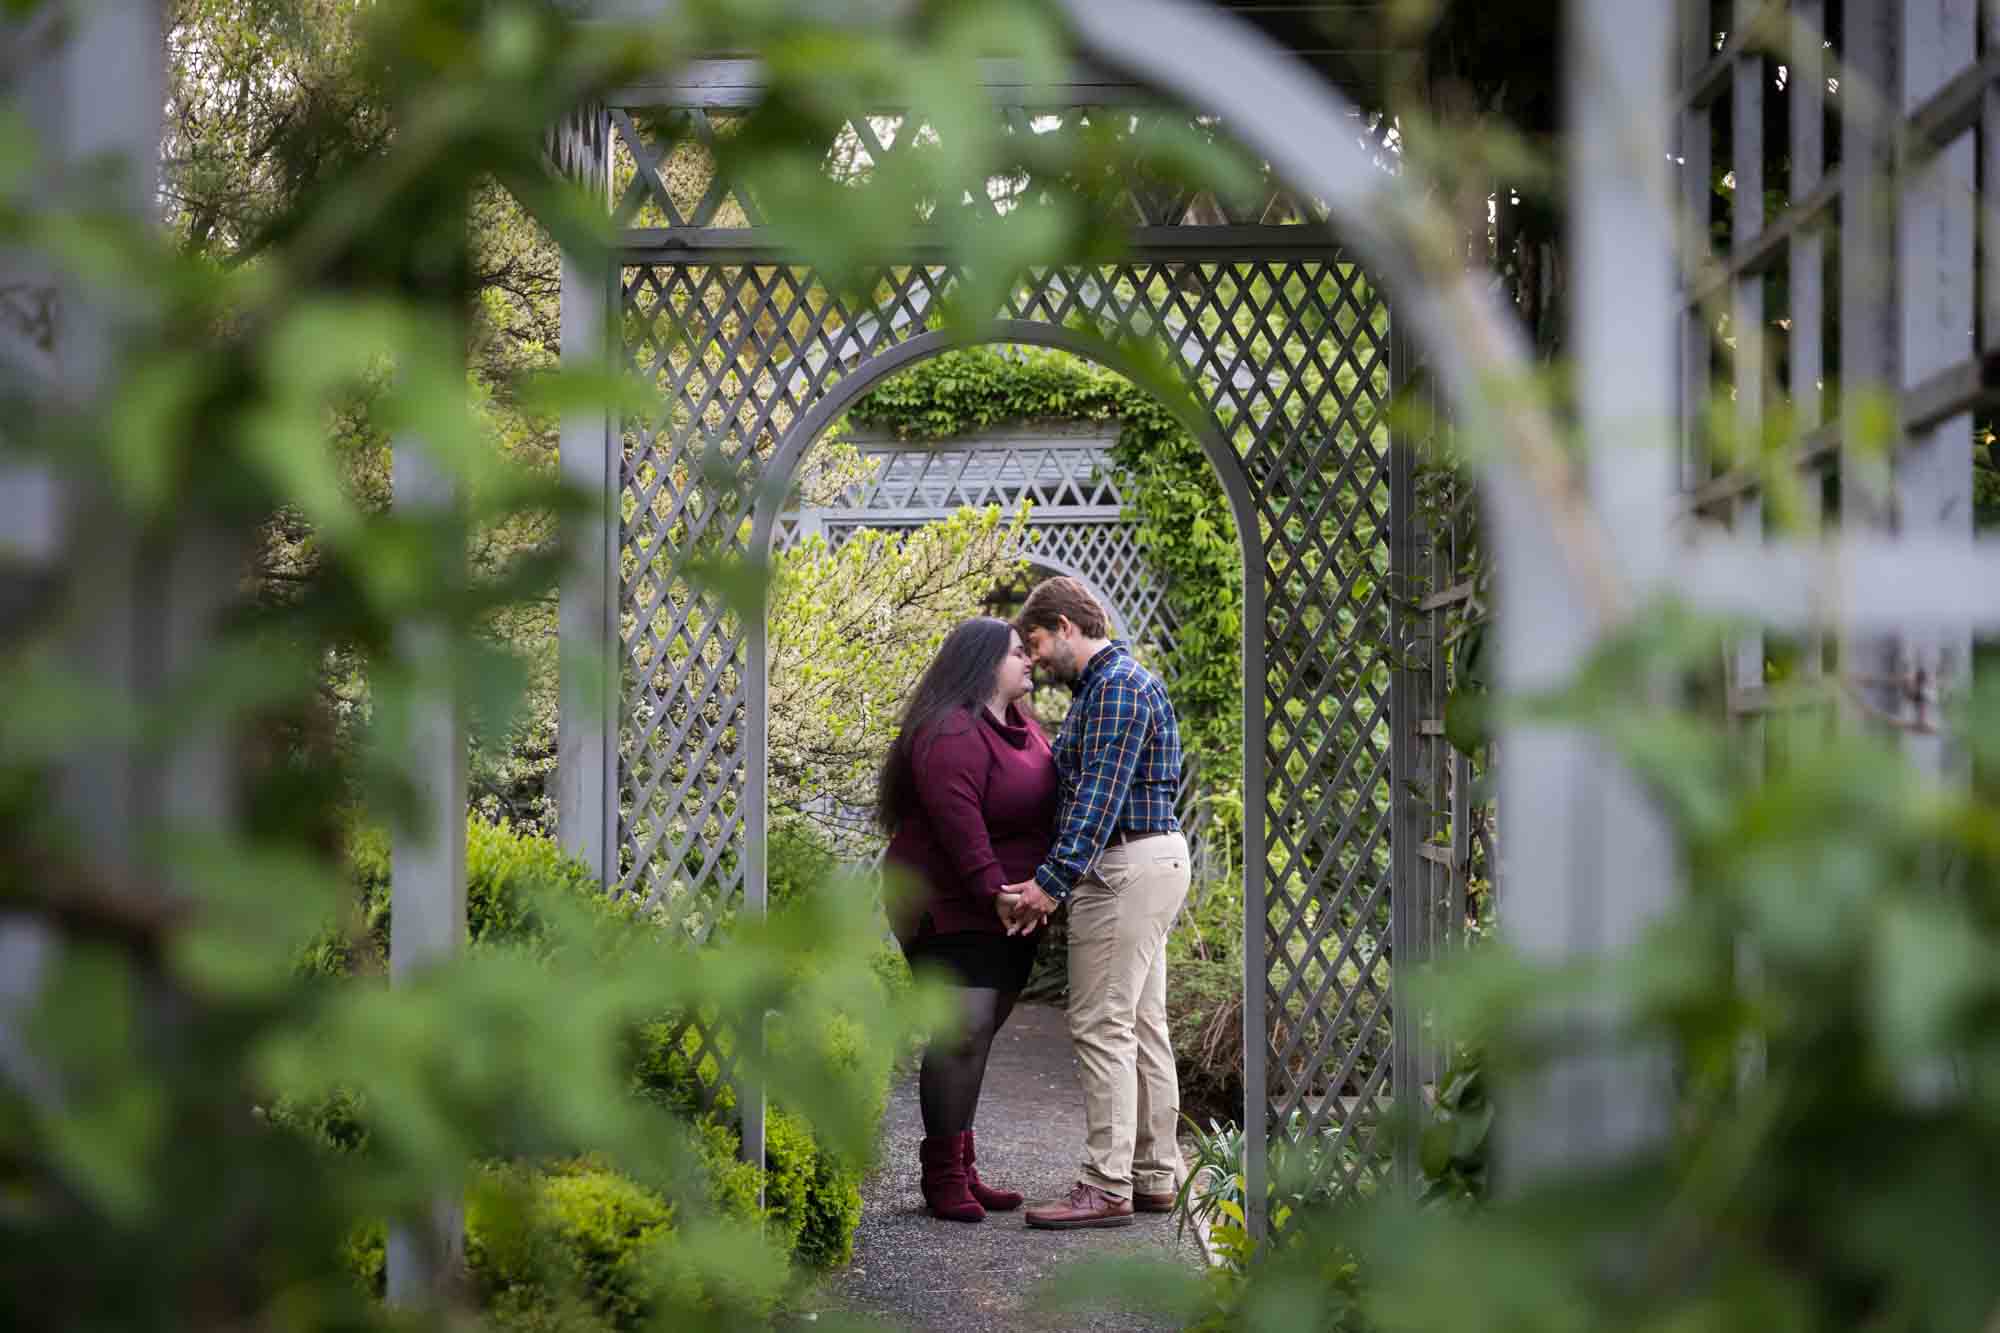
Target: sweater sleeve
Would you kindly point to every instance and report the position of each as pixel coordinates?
(951, 772)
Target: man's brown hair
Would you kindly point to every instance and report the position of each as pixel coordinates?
(1064, 598)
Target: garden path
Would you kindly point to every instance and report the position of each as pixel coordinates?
(919, 1273)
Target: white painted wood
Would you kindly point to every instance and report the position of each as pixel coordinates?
(1934, 280)
(427, 867)
(587, 627)
(1595, 861)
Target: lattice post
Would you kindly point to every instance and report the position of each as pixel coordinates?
(587, 605)
(108, 129)
(1256, 899)
(1591, 861)
(137, 613)
(1409, 904)
(1745, 663)
(1696, 151)
(1936, 215)
(750, 1096)
(427, 879)
(1868, 322)
(1806, 262)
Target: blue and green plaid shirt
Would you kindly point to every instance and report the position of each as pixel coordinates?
(1119, 757)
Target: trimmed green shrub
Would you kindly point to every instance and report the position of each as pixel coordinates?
(892, 969)
(676, 1071)
(827, 1211)
(732, 1182)
(575, 1245)
(791, 1166)
(578, 1231)
(812, 1199)
(365, 1254)
(505, 872)
(1205, 1003)
(796, 863)
(332, 1122)
(832, 1214)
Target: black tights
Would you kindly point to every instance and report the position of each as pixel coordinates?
(954, 1067)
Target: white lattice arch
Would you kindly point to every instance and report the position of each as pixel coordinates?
(1078, 524)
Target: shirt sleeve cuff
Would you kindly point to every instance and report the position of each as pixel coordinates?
(989, 882)
(1052, 883)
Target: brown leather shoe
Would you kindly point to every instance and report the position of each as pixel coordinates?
(1142, 1202)
(1086, 1206)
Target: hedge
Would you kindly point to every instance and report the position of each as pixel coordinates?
(575, 1244)
(554, 1243)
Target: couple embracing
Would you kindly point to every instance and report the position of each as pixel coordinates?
(999, 830)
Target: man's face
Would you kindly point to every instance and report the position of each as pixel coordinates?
(1053, 652)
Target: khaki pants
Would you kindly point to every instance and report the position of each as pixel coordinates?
(1119, 916)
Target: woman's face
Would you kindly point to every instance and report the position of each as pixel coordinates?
(1017, 672)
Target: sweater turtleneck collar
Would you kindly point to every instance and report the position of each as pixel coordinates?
(1014, 730)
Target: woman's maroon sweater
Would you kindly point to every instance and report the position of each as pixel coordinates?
(986, 814)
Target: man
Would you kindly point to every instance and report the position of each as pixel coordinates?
(1121, 863)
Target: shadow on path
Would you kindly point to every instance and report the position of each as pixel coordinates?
(918, 1273)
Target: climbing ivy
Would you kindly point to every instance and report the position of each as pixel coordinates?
(1184, 525)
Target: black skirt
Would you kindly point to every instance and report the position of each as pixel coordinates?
(977, 958)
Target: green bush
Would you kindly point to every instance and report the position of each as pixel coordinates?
(892, 969)
(333, 1122)
(1205, 1002)
(1454, 1147)
(796, 862)
(573, 1242)
(577, 1245)
(672, 1067)
(578, 1230)
(365, 1254)
(505, 873)
(732, 1182)
(812, 1198)
(832, 1214)
(791, 1165)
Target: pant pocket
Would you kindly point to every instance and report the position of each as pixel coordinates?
(1114, 871)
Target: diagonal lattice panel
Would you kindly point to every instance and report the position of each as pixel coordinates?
(662, 169)
(1289, 358)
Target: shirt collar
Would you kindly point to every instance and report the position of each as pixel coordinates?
(1099, 660)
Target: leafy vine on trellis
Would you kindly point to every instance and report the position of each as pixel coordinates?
(1184, 525)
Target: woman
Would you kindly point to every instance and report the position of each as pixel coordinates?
(968, 792)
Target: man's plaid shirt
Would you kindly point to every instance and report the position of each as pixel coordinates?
(1119, 756)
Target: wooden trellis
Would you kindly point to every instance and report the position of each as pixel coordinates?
(1285, 345)
(1902, 591)
(1064, 471)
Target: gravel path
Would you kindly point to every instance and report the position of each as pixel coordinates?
(915, 1272)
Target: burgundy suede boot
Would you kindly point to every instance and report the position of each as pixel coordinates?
(944, 1183)
(992, 1200)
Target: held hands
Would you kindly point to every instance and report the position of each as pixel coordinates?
(1024, 908)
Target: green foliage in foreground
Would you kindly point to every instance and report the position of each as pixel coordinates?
(600, 1224)
(1828, 995)
(153, 998)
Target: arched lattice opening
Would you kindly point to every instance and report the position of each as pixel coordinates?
(1287, 366)
(1079, 522)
